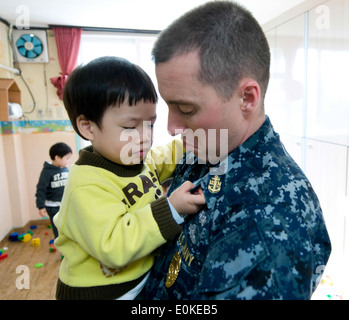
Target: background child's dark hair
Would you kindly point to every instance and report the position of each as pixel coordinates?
(103, 83)
(59, 149)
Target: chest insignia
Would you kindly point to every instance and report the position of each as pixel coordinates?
(215, 184)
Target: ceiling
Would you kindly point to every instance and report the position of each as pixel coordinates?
(128, 14)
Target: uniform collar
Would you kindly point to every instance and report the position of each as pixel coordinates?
(213, 181)
(261, 136)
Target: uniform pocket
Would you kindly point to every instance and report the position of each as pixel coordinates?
(231, 258)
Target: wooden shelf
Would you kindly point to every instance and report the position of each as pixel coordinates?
(9, 92)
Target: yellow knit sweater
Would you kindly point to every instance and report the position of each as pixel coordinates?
(111, 219)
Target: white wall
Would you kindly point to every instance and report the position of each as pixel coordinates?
(308, 103)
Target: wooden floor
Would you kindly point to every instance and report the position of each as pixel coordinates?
(41, 281)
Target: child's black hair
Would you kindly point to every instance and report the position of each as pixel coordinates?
(59, 149)
(103, 83)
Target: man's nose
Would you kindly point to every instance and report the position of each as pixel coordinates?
(175, 124)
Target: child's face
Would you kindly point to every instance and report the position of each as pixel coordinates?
(62, 162)
(126, 133)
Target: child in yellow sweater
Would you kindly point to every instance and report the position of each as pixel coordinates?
(113, 215)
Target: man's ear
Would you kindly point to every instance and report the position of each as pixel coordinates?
(85, 127)
(250, 95)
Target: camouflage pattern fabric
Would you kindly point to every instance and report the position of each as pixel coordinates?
(261, 235)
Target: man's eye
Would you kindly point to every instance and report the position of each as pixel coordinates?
(185, 109)
(129, 128)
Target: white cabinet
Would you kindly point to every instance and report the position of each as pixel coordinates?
(326, 168)
(294, 146)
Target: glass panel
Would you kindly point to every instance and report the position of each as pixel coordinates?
(285, 96)
(328, 69)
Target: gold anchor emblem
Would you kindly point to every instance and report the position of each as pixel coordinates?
(215, 184)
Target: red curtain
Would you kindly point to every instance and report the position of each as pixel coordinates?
(68, 44)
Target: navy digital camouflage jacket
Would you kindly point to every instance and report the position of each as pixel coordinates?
(261, 235)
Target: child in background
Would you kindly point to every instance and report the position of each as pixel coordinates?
(113, 215)
(52, 180)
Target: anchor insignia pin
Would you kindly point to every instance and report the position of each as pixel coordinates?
(215, 184)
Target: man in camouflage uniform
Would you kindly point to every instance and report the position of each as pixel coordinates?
(262, 233)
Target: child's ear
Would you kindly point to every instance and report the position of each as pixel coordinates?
(85, 127)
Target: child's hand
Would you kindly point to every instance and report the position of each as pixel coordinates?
(43, 213)
(185, 202)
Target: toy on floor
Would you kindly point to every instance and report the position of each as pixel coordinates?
(3, 255)
(26, 237)
(36, 242)
(328, 290)
(14, 236)
(23, 237)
